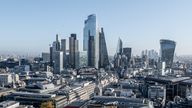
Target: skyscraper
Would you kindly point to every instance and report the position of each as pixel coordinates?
(127, 52)
(57, 43)
(167, 52)
(90, 28)
(119, 47)
(63, 49)
(91, 51)
(51, 55)
(58, 62)
(55, 47)
(103, 54)
(73, 51)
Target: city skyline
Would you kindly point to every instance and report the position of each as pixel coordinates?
(29, 27)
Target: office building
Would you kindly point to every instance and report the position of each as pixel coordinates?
(167, 52)
(103, 54)
(58, 62)
(91, 29)
(57, 43)
(127, 52)
(119, 47)
(63, 49)
(90, 26)
(91, 51)
(46, 57)
(73, 51)
(51, 55)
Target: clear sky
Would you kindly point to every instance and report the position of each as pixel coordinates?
(30, 25)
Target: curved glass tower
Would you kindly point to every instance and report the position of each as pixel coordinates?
(167, 52)
(90, 28)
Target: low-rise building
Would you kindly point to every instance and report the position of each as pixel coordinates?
(5, 79)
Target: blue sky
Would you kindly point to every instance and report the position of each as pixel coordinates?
(29, 26)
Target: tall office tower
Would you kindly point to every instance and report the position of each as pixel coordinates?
(167, 52)
(117, 61)
(63, 49)
(55, 47)
(91, 51)
(73, 51)
(119, 47)
(51, 55)
(58, 62)
(127, 52)
(90, 28)
(103, 54)
(57, 43)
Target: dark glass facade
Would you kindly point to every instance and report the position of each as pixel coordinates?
(91, 51)
(167, 52)
(103, 54)
(73, 51)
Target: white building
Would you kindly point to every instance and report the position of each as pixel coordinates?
(9, 104)
(5, 79)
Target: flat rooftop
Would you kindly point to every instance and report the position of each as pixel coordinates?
(166, 79)
(7, 103)
(186, 82)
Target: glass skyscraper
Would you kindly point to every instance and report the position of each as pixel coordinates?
(91, 29)
(73, 51)
(119, 47)
(167, 52)
(91, 51)
(58, 62)
(103, 54)
(127, 52)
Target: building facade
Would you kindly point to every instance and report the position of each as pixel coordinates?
(58, 62)
(103, 53)
(73, 51)
(91, 29)
(167, 52)
(63, 49)
(91, 51)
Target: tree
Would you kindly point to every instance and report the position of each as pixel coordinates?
(48, 104)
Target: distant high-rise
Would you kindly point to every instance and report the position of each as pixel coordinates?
(55, 47)
(91, 51)
(119, 47)
(73, 51)
(103, 54)
(167, 52)
(46, 57)
(63, 49)
(58, 62)
(127, 52)
(57, 43)
(51, 55)
(90, 28)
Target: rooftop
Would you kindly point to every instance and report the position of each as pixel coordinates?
(166, 79)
